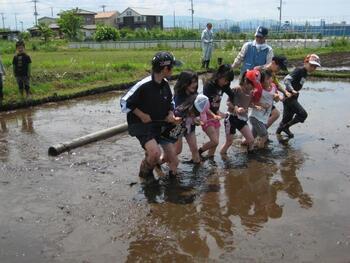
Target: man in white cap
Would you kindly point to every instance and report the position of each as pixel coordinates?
(254, 53)
(207, 39)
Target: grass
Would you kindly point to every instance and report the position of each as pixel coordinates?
(65, 71)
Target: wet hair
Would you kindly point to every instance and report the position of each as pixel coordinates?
(20, 43)
(224, 71)
(185, 79)
(188, 105)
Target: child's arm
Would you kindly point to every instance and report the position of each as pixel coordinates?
(144, 117)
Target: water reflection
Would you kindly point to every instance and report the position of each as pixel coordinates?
(195, 217)
(27, 122)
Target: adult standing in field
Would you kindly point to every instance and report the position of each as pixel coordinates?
(254, 53)
(2, 77)
(207, 39)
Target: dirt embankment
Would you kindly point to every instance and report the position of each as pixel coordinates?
(339, 59)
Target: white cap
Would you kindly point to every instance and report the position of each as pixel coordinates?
(313, 59)
(201, 103)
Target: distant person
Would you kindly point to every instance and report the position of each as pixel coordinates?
(207, 39)
(293, 112)
(254, 53)
(149, 107)
(22, 68)
(2, 78)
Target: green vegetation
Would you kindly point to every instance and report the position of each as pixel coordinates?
(106, 33)
(57, 70)
(70, 24)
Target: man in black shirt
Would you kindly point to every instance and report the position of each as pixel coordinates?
(21, 68)
(293, 112)
(148, 105)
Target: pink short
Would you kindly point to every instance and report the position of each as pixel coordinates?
(211, 123)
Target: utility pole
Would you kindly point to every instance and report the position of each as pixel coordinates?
(3, 21)
(280, 18)
(16, 20)
(192, 11)
(21, 25)
(35, 12)
(174, 18)
(103, 7)
(51, 11)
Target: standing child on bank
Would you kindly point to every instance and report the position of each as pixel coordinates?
(214, 90)
(22, 68)
(261, 111)
(185, 87)
(238, 109)
(2, 77)
(293, 112)
(148, 105)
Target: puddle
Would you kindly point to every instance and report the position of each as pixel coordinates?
(286, 203)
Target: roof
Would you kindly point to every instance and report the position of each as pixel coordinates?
(47, 17)
(144, 11)
(80, 11)
(106, 14)
(89, 27)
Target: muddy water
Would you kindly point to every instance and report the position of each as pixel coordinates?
(288, 203)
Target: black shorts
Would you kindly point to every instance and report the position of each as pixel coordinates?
(232, 123)
(145, 133)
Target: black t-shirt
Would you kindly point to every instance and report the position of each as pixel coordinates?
(297, 78)
(21, 64)
(214, 93)
(152, 98)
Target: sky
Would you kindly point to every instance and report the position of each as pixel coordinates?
(237, 10)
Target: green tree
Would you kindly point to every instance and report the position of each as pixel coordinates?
(45, 31)
(70, 23)
(105, 33)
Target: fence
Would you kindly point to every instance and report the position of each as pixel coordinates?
(190, 44)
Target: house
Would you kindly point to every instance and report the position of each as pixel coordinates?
(139, 18)
(88, 31)
(47, 20)
(107, 18)
(9, 34)
(87, 16)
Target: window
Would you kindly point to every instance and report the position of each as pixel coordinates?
(158, 19)
(128, 13)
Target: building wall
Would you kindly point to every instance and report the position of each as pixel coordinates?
(88, 19)
(134, 22)
(111, 21)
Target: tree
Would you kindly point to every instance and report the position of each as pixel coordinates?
(70, 23)
(105, 33)
(45, 31)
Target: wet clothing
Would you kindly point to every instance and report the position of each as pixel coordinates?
(178, 100)
(214, 93)
(274, 79)
(293, 112)
(152, 98)
(253, 54)
(233, 123)
(241, 99)
(207, 39)
(20, 64)
(267, 97)
(296, 79)
(258, 127)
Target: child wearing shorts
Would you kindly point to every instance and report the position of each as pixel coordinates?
(238, 110)
(261, 111)
(214, 89)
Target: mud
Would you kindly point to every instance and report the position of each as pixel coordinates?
(288, 203)
(332, 60)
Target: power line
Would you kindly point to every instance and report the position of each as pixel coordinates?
(192, 12)
(35, 12)
(3, 21)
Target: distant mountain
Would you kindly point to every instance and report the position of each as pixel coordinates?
(200, 22)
